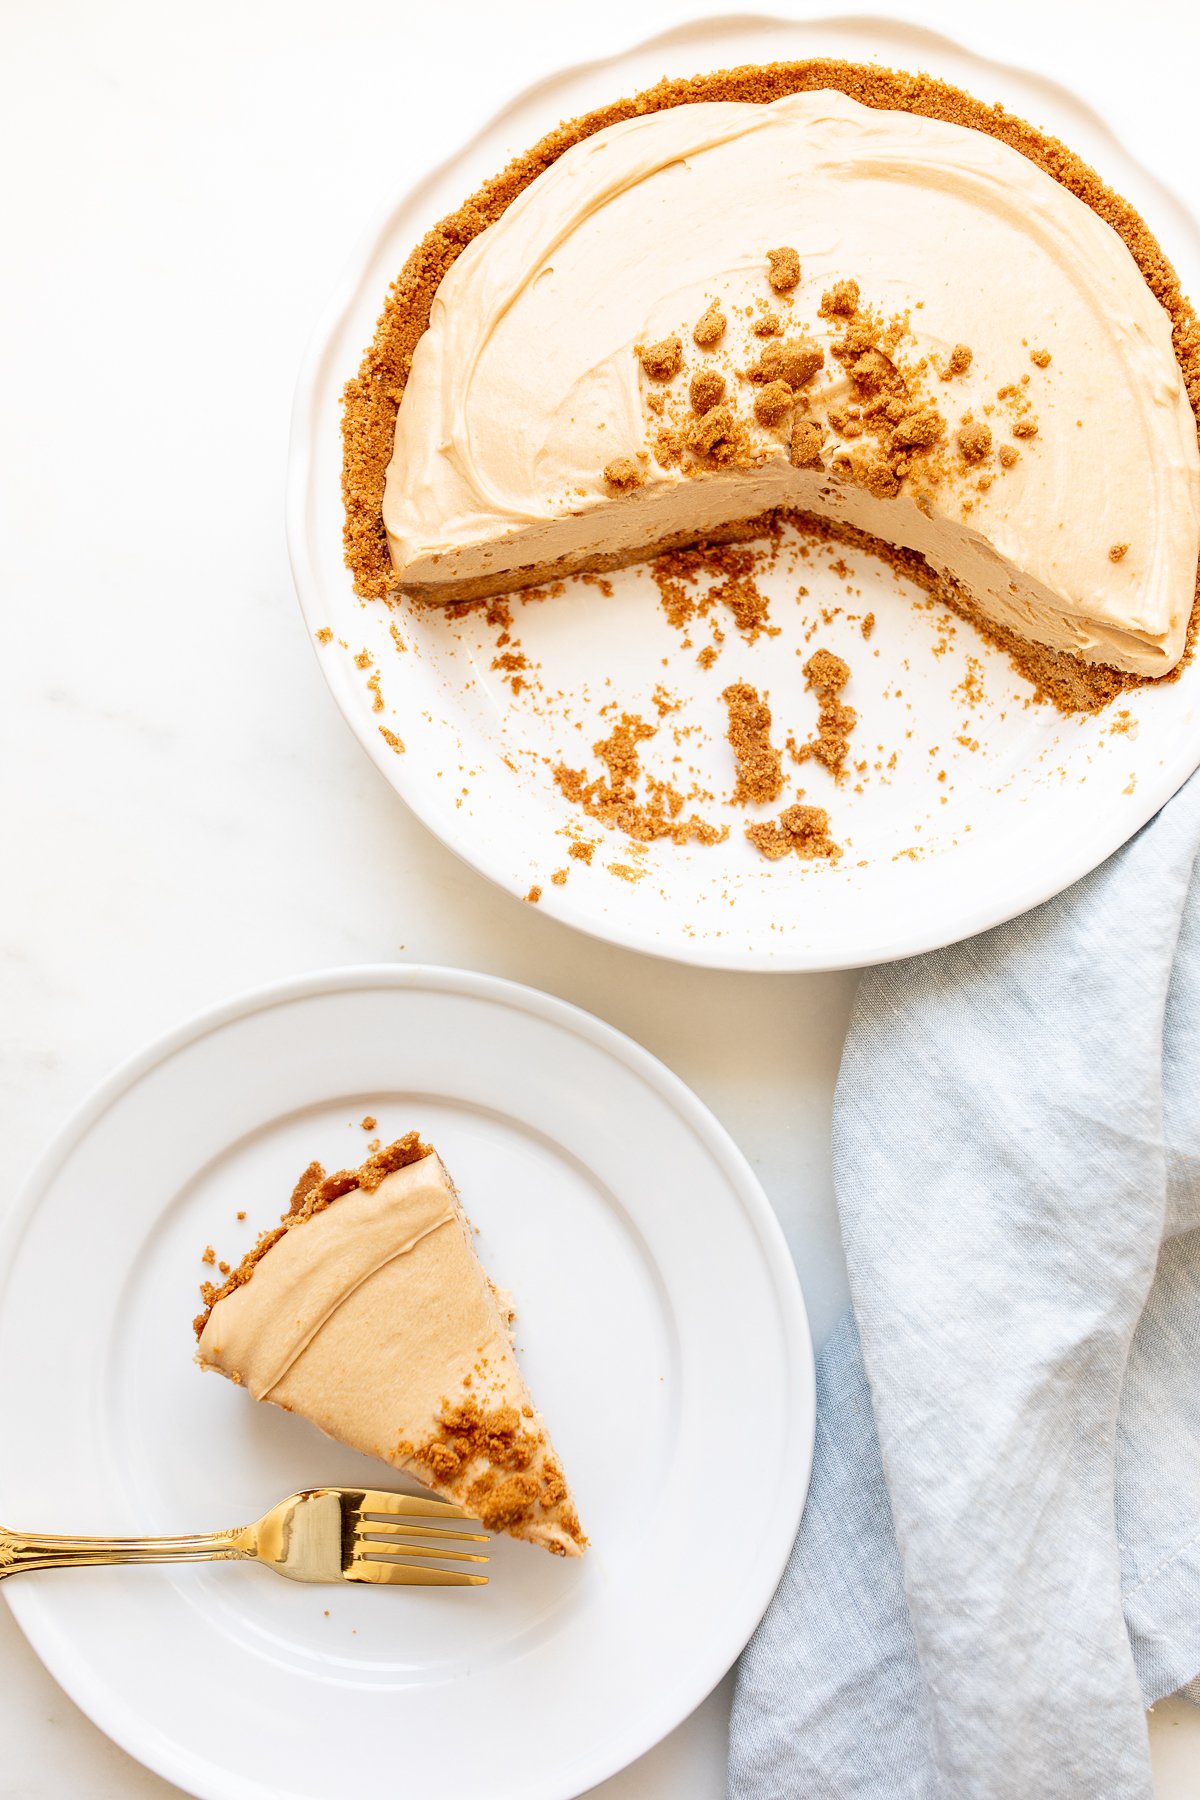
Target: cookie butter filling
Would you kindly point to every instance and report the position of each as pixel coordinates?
(369, 1313)
(698, 315)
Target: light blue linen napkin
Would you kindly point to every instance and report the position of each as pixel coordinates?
(999, 1562)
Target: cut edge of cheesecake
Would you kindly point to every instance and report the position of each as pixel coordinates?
(1066, 680)
(483, 1443)
(372, 399)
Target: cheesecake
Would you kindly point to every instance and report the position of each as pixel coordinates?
(849, 295)
(368, 1312)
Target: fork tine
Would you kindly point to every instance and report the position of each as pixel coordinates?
(374, 1500)
(398, 1574)
(369, 1550)
(389, 1529)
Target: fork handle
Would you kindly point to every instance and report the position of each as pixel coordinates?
(28, 1550)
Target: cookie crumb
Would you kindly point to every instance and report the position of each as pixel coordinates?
(707, 390)
(668, 446)
(534, 895)
(759, 764)
(957, 363)
(839, 301)
(974, 440)
(623, 473)
(663, 360)
(709, 328)
(368, 1122)
(714, 427)
(919, 429)
(827, 674)
(774, 403)
(612, 798)
(784, 270)
(1041, 358)
(1117, 552)
(799, 829)
(390, 738)
(324, 636)
(794, 360)
(872, 371)
(807, 439)
(824, 670)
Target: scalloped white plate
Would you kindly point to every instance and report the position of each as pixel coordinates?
(991, 806)
(658, 1316)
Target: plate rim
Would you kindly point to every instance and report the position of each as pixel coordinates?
(74, 1671)
(1154, 787)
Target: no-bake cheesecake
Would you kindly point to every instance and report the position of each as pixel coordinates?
(368, 1312)
(811, 288)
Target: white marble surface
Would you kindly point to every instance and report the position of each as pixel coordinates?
(189, 814)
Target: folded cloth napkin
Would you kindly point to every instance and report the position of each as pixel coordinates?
(999, 1562)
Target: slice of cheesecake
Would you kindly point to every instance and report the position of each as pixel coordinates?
(368, 1312)
(698, 316)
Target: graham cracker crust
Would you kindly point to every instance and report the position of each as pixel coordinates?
(372, 398)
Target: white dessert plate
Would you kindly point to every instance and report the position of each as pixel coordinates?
(990, 805)
(659, 1319)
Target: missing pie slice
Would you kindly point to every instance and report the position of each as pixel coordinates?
(368, 1312)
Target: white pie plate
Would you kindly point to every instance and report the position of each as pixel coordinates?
(659, 1319)
(1030, 801)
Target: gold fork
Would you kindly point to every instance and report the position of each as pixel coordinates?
(323, 1534)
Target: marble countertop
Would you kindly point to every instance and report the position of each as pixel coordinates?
(190, 814)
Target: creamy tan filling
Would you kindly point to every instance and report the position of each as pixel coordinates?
(310, 1273)
(526, 384)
